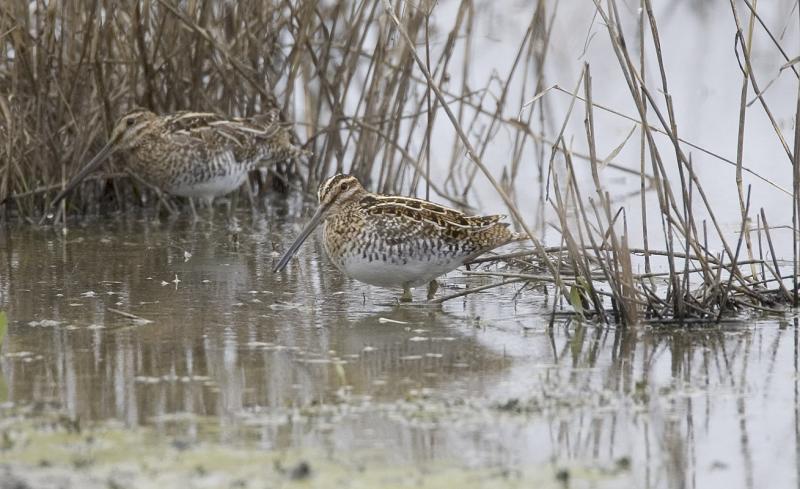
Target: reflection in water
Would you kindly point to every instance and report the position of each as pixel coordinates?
(234, 353)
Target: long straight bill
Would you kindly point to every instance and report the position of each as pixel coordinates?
(316, 219)
(99, 158)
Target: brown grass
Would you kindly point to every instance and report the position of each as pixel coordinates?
(364, 86)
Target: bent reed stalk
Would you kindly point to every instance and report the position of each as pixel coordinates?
(365, 84)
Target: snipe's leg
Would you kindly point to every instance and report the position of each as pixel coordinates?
(406, 297)
(231, 203)
(195, 217)
(233, 221)
(209, 203)
(251, 196)
(433, 286)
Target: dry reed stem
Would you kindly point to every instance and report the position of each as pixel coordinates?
(465, 140)
(363, 107)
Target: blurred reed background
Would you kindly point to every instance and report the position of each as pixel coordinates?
(68, 69)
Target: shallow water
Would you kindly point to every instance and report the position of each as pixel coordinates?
(233, 355)
(231, 362)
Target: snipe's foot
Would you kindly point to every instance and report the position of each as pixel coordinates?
(406, 297)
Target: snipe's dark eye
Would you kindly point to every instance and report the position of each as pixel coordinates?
(343, 187)
(129, 122)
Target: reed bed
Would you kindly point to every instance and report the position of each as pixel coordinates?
(701, 286)
(364, 87)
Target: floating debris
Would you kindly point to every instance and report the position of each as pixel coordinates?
(383, 320)
(133, 317)
(284, 306)
(18, 354)
(143, 379)
(44, 323)
(300, 471)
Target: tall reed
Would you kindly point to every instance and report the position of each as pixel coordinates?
(364, 85)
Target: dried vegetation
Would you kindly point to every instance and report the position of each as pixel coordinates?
(364, 86)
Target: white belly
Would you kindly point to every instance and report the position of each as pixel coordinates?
(413, 273)
(212, 187)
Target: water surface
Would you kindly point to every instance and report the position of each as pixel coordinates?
(228, 353)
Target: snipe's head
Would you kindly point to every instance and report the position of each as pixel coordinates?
(339, 189)
(131, 128)
(129, 131)
(333, 193)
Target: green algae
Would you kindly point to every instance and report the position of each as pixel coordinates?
(59, 453)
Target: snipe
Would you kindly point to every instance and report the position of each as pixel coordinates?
(393, 241)
(193, 154)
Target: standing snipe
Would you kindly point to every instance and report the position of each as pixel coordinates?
(392, 241)
(193, 154)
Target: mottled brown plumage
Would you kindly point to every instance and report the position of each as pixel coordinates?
(393, 241)
(194, 154)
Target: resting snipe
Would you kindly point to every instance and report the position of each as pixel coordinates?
(193, 154)
(392, 241)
